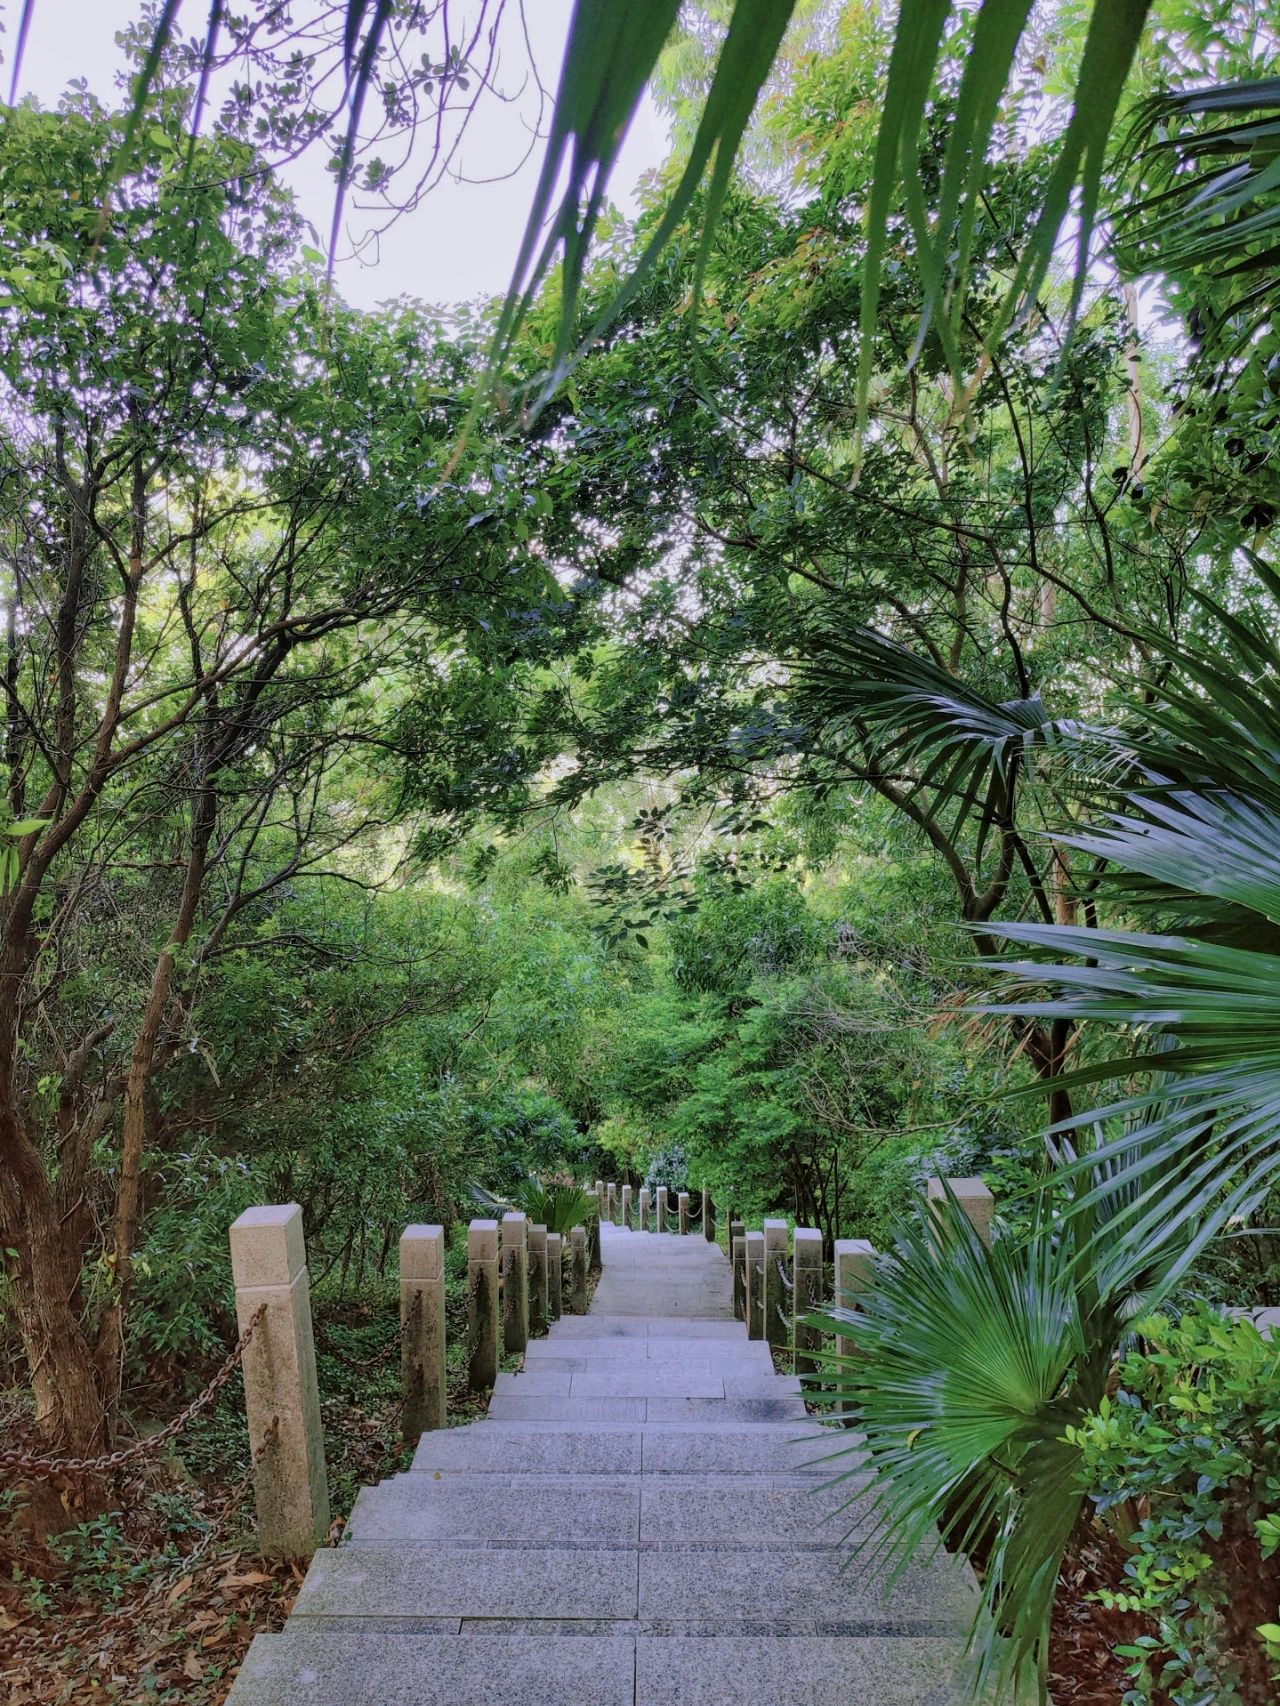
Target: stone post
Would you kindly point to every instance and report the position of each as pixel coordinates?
(595, 1256)
(754, 1289)
(515, 1282)
(660, 1215)
(538, 1279)
(626, 1207)
(855, 1273)
(422, 1329)
(682, 1213)
(708, 1216)
(555, 1276)
(738, 1256)
(806, 1296)
(777, 1302)
(611, 1203)
(483, 1288)
(281, 1393)
(975, 1200)
(644, 1208)
(578, 1286)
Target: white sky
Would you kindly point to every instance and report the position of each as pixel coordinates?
(460, 243)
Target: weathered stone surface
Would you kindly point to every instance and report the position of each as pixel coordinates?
(422, 1329)
(515, 1282)
(749, 1511)
(973, 1198)
(816, 1670)
(509, 1448)
(755, 1291)
(538, 1286)
(282, 1395)
(814, 1587)
(578, 1269)
(724, 1449)
(555, 1276)
(513, 1407)
(483, 1286)
(476, 1510)
(299, 1668)
(465, 1581)
(643, 1379)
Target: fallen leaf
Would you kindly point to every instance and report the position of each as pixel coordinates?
(191, 1667)
(250, 1579)
(176, 1592)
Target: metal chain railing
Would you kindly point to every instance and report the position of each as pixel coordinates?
(782, 1273)
(33, 1463)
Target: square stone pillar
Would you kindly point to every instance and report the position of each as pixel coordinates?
(538, 1279)
(595, 1256)
(281, 1392)
(611, 1203)
(753, 1284)
(644, 1208)
(555, 1276)
(708, 1216)
(855, 1274)
(578, 1271)
(974, 1199)
(660, 1213)
(483, 1289)
(806, 1296)
(515, 1282)
(626, 1207)
(738, 1257)
(777, 1296)
(682, 1213)
(422, 1329)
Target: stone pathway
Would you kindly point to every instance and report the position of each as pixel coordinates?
(639, 1522)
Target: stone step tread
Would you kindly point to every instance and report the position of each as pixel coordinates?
(645, 1380)
(778, 1582)
(513, 1406)
(595, 1326)
(609, 1512)
(495, 1447)
(305, 1668)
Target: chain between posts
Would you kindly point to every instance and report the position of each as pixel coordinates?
(782, 1273)
(31, 1463)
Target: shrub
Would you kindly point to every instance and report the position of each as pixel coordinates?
(1184, 1462)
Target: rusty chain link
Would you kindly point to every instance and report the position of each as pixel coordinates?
(782, 1273)
(32, 1463)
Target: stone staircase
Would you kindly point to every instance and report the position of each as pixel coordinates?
(644, 1519)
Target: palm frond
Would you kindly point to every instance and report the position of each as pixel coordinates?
(1211, 158)
(970, 1364)
(948, 744)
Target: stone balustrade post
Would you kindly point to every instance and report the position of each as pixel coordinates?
(578, 1271)
(753, 1244)
(555, 1276)
(281, 1392)
(855, 1274)
(644, 1208)
(777, 1301)
(626, 1207)
(738, 1257)
(538, 1286)
(806, 1296)
(515, 1282)
(708, 1216)
(483, 1292)
(611, 1203)
(422, 1334)
(974, 1199)
(595, 1257)
(682, 1213)
(660, 1214)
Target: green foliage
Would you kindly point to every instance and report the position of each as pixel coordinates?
(1184, 1461)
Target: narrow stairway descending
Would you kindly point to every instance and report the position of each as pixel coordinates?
(640, 1521)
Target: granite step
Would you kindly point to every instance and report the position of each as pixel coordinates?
(840, 1585)
(303, 1667)
(514, 1406)
(513, 1448)
(679, 1513)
